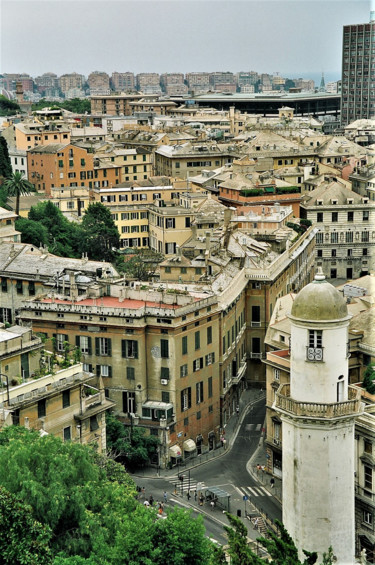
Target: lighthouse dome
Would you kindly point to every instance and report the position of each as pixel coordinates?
(319, 301)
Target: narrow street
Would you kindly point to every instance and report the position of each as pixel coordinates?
(228, 472)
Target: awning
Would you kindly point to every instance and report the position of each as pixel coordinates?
(175, 451)
(189, 445)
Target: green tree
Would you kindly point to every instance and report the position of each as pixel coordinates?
(141, 265)
(5, 163)
(23, 540)
(133, 447)
(368, 378)
(32, 232)
(100, 234)
(16, 186)
(8, 107)
(238, 545)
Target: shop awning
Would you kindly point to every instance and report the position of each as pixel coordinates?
(175, 451)
(189, 445)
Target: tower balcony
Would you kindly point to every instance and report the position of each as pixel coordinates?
(284, 403)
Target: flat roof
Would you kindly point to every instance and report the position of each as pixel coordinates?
(111, 302)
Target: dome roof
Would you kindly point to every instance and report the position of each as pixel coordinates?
(319, 300)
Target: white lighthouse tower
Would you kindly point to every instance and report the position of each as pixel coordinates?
(318, 410)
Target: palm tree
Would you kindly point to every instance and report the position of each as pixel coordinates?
(16, 185)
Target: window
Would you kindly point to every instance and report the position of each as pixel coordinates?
(315, 349)
(210, 358)
(198, 364)
(184, 345)
(165, 396)
(60, 339)
(367, 447)
(4, 285)
(350, 216)
(66, 399)
(41, 408)
(130, 373)
(334, 237)
(334, 216)
(209, 335)
(128, 402)
(333, 252)
(276, 374)
(164, 348)
(367, 517)
(164, 373)
(210, 387)
(365, 215)
(319, 217)
(349, 237)
(183, 370)
(84, 344)
(199, 415)
(368, 477)
(183, 270)
(19, 287)
(365, 237)
(103, 346)
(93, 423)
(224, 344)
(319, 238)
(104, 371)
(67, 432)
(31, 288)
(186, 399)
(129, 348)
(197, 338)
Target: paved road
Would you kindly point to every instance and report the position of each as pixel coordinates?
(229, 472)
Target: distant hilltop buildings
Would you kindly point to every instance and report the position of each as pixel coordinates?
(73, 84)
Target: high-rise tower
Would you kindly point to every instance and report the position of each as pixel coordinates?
(318, 410)
(358, 71)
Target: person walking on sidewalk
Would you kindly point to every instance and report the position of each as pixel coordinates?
(165, 496)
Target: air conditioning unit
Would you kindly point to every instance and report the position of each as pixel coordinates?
(164, 381)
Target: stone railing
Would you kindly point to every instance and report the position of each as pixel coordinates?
(318, 410)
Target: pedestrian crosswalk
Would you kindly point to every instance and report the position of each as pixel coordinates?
(253, 491)
(253, 427)
(188, 483)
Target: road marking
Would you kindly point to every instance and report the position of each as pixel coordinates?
(265, 490)
(179, 502)
(252, 492)
(240, 492)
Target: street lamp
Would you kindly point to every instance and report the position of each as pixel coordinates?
(7, 384)
(134, 421)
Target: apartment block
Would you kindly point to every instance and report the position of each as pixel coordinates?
(69, 404)
(98, 81)
(345, 241)
(123, 82)
(113, 104)
(358, 72)
(70, 81)
(148, 83)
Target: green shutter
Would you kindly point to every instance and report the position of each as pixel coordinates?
(89, 345)
(109, 346)
(98, 370)
(78, 342)
(136, 350)
(109, 371)
(97, 348)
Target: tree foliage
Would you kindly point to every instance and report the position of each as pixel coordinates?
(8, 107)
(16, 186)
(76, 105)
(5, 163)
(369, 378)
(133, 447)
(101, 235)
(141, 265)
(23, 540)
(89, 503)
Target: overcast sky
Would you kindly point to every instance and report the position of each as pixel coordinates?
(292, 37)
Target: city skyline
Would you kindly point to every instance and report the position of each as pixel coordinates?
(142, 36)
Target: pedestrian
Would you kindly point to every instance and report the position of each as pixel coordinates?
(201, 499)
(165, 496)
(258, 469)
(143, 492)
(195, 495)
(151, 500)
(212, 503)
(237, 409)
(225, 443)
(146, 503)
(272, 481)
(222, 441)
(256, 524)
(188, 494)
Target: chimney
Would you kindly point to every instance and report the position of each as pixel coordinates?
(227, 217)
(194, 230)
(208, 240)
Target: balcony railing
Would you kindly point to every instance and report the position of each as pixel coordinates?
(257, 355)
(285, 403)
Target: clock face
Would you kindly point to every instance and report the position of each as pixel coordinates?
(155, 352)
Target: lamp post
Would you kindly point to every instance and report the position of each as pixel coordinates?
(134, 421)
(7, 384)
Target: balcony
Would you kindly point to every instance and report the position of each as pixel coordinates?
(315, 410)
(257, 355)
(241, 371)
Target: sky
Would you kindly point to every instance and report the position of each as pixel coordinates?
(290, 37)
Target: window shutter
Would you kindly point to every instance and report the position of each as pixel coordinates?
(78, 341)
(189, 397)
(182, 401)
(89, 346)
(98, 370)
(97, 347)
(135, 349)
(109, 347)
(109, 371)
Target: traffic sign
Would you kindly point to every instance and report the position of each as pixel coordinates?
(245, 497)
